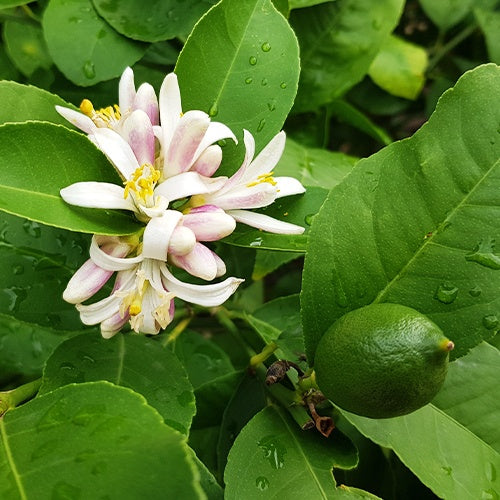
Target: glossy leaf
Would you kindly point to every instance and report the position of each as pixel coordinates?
(241, 65)
(338, 41)
(299, 210)
(26, 46)
(155, 21)
(208, 483)
(415, 224)
(460, 422)
(21, 103)
(272, 457)
(131, 361)
(313, 166)
(299, 4)
(267, 261)
(83, 46)
(489, 21)
(399, 68)
(37, 160)
(446, 13)
(84, 439)
(36, 262)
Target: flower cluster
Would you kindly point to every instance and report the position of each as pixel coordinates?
(166, 158)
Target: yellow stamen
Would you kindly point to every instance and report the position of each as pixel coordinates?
(103, 117)
(142, 182)
(86, 108)
(263, 178)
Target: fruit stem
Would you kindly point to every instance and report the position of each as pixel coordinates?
(259, 358)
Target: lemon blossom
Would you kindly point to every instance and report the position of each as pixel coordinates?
(143, 291)
(254, 186)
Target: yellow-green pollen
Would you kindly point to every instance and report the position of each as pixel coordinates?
(102, 117)
(142, 183)
(263, 178)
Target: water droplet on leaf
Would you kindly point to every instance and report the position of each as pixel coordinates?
(446, 293)
(65, 491)
(475, 292)
(252, 60)
(262, 483)
(484, 254)
(490, 494)
(261, 125)
(32, 228)
(309, 218)
(283, 85)
(248, 80)
(89, 70)
(266, 47)
(491, 472)
(256, 243)
(271, 105)
(213, 110)
(490, 322)
(263, 82)
(17, 270)
(273, 451)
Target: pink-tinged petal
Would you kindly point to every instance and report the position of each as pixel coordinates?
(235, 179)
(216, 131)
(188, 184)
(108, 262)
(138, 132)
(79, 120)
(157, 235)
(182, 241)
(99, 311)
(182, 150)
(204, 295)
(89, 279)
(117, 150)
(146, 101)
(170, 108)
(221, 265)
(210, 225)
(199, 262)
(126, 91)
(96, 195)
(209, 161)
(111, 326)
(267, 159)
(287, 186)
(260, 195)
(264, 222)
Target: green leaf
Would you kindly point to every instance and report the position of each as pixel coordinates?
(298, 210)
(338, 41)
(7, 69)
(25, 347)
(83, 46)
(37, 161)
(159, 20)
(300, 4)
(272, 457)
(415, 224)
(489, 21)
(399, 68)
(446, 13)
(461, 422)
(208, 483)
(36, 262)
(130, 361)
(21, 103)
(92, 440)
(26, 47)
(267, 261)
(241, 65)
(314, 166)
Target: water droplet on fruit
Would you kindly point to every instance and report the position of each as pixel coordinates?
(475, 292)
(252, 60)
(273, 451)
(490, 322)
(261, 125)
(446, 293)
(262, 483)
(213, 110)
(248, 80)
(266, 47)
(89, 70)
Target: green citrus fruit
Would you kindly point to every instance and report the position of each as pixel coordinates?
(382, 360)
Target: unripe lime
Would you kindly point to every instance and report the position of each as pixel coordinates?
(382, 360)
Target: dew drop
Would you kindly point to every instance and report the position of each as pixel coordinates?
(283, 85)
(65, 491)
(491, 472)
(88, 359)
(446, 293)
(248, 80)
(484, 254)
(274, 452)
(213, 110)
(309, 218)
(222, 143)
(256, 243)
(271, 105)
(263, 82)
(262, 483)
(490, 494)
(32, 228)
(261, 125)
(89, 70)
(44, 449)
(377, 24)
(475, 292)
(447, 470)
(16, 296)
(266, 47)
(252, 60)
(162, 395)
(17, 270)
(490, 322)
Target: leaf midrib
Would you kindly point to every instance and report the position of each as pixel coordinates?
(10, 460)
(429, 240)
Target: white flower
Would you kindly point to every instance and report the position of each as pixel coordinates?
(113, 117)
(143, 293)
(254, 186)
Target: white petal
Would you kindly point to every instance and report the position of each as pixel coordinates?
(203, 295)
(182, 150)
(147, 101)
(79, 120)
(96, 195)
(126, 91)
(99, 311)
(199, 262)
(157, 235)
(258, 196)
(221, 266)
(287, 186)
(138, 132)
(216, 131)
(182, 241)
(108, 262)
(111, 326)
(209, 226)
(265, 222)
(170, 107)
(267, 159)
(209, 161)
(117, 150)
(161, 204)
(188, 184)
